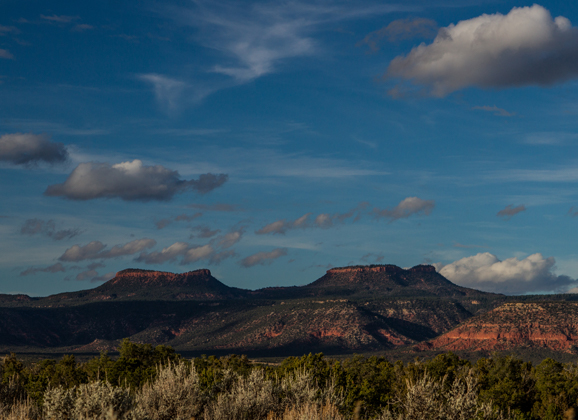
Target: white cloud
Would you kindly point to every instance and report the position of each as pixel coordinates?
(263, 258)
(198, 253)
(131, 181)
(212, 252)
(524, 47)
(170, 253)
(484, 271)
(323, 220)
(406, 208)
(255, 39)
(95, 250)
(29, 149)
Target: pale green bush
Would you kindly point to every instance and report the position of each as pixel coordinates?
(432, 400)
(250, 398)
(97, 400)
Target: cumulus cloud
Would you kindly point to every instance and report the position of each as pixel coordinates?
(510, 211)
(323, 220)
(163, 223)
(525, 47)
(500, 112)
(31, 149)
(406, 208)
(399, 30)
(96, 250)
(130, 181)
(55, 268)
(48, 228)
(486, 272)
(263, 258)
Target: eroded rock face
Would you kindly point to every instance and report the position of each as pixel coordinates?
(548, 325)
(421, 280)
(146, 278)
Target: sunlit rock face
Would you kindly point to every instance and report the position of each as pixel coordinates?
(546, 325)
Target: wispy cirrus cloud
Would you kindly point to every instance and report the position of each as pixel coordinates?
(47, 228)
(55, 268)
(510, 211)
(253, 40)
(214, 207)
(525, 47)
(203, 232)
(8, 30)
(400, 30)
(6, 54)
(60, 18)
(130, 181)
(500, 112)
(163, 223)
(93, 276)
(96, 250)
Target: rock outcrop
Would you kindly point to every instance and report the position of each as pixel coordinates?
(546, 325)
(421, 280)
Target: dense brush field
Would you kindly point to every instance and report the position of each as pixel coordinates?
(157, 384)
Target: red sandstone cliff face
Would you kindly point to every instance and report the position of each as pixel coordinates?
(548, 325)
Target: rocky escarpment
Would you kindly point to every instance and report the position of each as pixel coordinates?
(421, 280)
(547, 325)
(136, 284)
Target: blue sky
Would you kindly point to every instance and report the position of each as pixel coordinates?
(270, 141)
